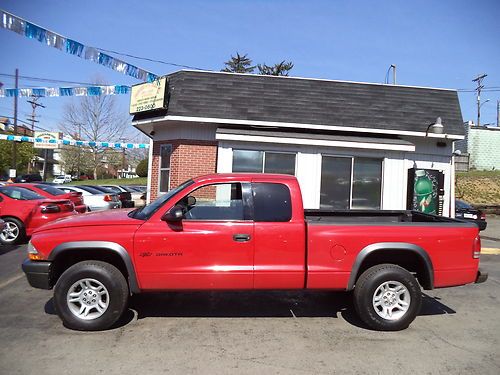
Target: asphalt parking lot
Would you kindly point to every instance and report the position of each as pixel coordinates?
(458, 331)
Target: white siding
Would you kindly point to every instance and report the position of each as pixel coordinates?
(308, 174)
(394, 183)
(394, 171)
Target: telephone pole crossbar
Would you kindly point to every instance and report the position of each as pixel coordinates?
(479, 81)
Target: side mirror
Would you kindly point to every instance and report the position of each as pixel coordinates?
(191, 201)
(175, 214)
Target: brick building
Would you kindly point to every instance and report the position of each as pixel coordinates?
(351, 145)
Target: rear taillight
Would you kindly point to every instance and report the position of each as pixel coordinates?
(108, 198)
(51, 208)
(483, 216)
(77, 197)
(476, 248)
(123, 196)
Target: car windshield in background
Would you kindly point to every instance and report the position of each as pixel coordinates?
(89, 189)
(50, 189)
(114, 189)
(102, 189)
(145, 212)
(462, 205)
(20, 193)
(127, 188)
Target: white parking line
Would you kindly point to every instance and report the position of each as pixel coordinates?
(11, 280)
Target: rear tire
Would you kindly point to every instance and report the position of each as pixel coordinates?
(387, 297)
(14, 231)
(90, 296)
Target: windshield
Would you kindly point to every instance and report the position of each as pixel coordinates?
(461, 205)
(20, 193)
(146, 212)
(50, 189)
(89, 189)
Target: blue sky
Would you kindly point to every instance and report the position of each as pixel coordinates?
(433, 43)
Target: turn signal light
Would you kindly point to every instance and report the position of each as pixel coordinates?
(32, 256)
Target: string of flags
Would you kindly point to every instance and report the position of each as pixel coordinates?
(72, 142)
(20, 26)
(48, 92)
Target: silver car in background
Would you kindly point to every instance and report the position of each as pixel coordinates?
(138, 197)
(95, 199)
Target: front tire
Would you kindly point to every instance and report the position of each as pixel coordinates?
(387, 297)
(90, 296)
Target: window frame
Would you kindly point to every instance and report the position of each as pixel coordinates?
(294, 153)
(246, 198)
(352, 157)
(160, 169)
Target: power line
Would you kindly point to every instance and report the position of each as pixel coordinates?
(148, 59)
(27, 123)
(39, 79)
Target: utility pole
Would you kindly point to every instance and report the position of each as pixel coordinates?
(79, 148)
(479, 81)
(14, 144)
(34, 106)
(123, 158)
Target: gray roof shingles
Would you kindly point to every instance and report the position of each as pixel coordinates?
(311, 101)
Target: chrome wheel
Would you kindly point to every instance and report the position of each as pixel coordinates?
(10, 232)
(88, 299)
(391, 300)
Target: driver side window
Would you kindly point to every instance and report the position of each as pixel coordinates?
(214, 202)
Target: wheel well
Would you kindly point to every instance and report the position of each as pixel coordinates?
(68, 258)
(11, 217)
(409, 260)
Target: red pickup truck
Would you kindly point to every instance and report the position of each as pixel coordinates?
(244, 232)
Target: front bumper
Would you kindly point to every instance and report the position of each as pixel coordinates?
(481, 277)
(37, 273)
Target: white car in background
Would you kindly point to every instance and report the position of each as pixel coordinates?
(62, 179)
(95, 199)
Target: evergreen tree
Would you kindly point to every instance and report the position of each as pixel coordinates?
(280, 69)
(238, 64)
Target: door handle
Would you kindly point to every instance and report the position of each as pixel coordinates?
(241, 237)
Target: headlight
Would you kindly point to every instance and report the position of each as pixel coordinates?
(33, 253)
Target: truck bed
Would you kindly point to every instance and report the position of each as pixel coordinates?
(375, 217)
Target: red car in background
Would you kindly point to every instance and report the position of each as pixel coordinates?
(23, 211)
(52, 192)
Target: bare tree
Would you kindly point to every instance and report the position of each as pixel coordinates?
(95, 119)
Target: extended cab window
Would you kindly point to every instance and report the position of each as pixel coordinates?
(272, 202)
(214, 202)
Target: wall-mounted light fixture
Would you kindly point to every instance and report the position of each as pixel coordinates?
(435, 128)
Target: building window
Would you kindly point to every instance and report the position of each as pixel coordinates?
(164, 176)
(263, 162)
(214, 202)
(350, 183)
